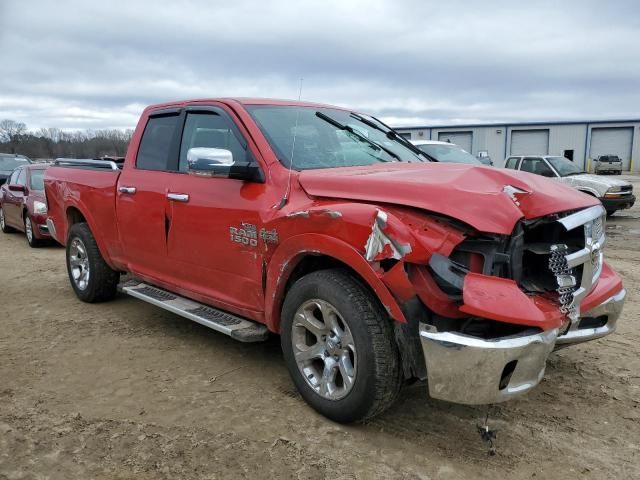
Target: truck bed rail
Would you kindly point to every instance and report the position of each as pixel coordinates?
(93, 164)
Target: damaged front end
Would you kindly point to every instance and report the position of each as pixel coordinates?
(484, 311)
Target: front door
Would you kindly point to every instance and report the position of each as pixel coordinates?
(216, 238)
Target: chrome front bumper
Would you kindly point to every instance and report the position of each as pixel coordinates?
(471, 370)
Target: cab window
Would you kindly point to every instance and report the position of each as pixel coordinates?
(36, 180)
(536, 165)
(512, 162)
(210, 130)
(155, 146)
(14, 177)
(22, 177)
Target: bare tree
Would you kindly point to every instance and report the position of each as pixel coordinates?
(54, 142)
(10, 130)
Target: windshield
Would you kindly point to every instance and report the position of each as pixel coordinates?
(448, 153)
(37, 180)
(328, 138)
(564, 167)
(9, 163)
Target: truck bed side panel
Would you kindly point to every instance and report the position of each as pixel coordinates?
(93, 194)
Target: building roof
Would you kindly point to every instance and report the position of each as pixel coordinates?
(520, 124)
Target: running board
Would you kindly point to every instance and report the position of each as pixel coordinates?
(237, 328)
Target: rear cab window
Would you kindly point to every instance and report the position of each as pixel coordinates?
(512, 162)
(155, 146)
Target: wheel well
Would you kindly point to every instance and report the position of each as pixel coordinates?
(314, 262)
(411, 358)
(74, 216)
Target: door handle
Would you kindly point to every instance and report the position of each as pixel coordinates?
(129, 190)
(178, 197)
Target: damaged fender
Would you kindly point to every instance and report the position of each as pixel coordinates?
(294, 249)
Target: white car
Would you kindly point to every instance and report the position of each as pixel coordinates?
(445, 152)
(613, 193)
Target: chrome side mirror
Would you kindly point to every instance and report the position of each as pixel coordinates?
(209, 161)
(219, 162)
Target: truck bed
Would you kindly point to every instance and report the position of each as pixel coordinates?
(70, 187)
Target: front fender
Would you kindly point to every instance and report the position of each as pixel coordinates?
(590, 191)
(290, 252)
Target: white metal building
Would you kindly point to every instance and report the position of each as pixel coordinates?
(578, 141)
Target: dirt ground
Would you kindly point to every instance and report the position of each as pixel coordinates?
(124, 390)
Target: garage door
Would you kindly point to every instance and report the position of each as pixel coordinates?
(529, 142)
(612, 141)
(462, 139)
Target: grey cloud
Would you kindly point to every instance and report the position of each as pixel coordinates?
(78, 64)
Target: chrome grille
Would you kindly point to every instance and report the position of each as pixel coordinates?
(564, 276)
(597, 229)
(564, 265)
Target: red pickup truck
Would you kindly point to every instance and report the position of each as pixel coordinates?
(376, 265)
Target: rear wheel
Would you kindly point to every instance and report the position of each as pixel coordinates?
(3, 223)
(91, 278)
(339, 347)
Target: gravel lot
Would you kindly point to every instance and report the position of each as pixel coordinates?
(124, 389)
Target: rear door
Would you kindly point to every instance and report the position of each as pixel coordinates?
(13, 200)
(142, 197)
(216, 239)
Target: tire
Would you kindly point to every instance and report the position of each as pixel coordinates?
(369, 346)
(28, 231)
(90, 276)
(610, 212)
(3, 223)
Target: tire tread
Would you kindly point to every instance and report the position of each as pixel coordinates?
(388, 374)
(104, 280)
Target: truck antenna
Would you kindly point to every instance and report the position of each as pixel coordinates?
(285, 197)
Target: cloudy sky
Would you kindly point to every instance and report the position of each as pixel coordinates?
(96, 64)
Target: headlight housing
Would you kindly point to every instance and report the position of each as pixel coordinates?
(39, 207)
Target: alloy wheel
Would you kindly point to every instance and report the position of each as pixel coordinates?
(324, 349)
(28, 228)
(79, 264)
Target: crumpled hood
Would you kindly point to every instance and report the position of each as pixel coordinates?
(473, 195)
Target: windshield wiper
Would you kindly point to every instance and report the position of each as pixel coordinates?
(357, 134)
(392, 135)
(575, 173)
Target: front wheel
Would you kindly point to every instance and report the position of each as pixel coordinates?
(92, 279)
(339, 347)
(28, 230)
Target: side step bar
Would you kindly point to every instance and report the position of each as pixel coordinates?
(237, 328)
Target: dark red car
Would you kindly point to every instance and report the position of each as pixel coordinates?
(23, 205)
